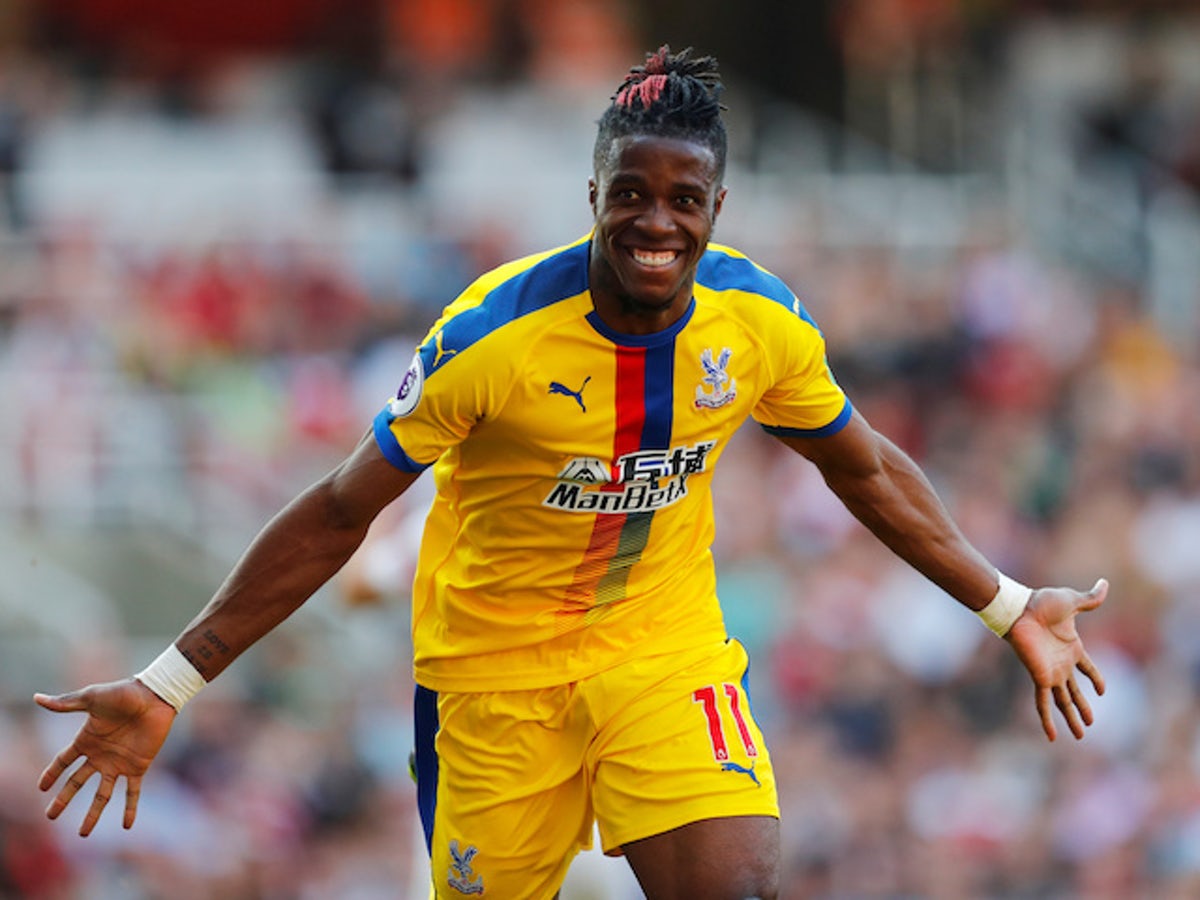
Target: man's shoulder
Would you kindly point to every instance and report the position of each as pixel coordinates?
(725, 269)
(527, 284)
(564, 267)
(510, 293)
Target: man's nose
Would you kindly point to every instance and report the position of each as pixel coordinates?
(657, 217)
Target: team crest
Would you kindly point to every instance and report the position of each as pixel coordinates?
(461, 876)
(716, 388)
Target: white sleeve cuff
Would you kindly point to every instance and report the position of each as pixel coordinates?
(172, 677)
(1006, 607)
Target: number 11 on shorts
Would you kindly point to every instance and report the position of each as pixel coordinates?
(708, 698)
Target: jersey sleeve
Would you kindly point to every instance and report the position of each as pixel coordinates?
(446, 390)
(804, 399)
(463, 372)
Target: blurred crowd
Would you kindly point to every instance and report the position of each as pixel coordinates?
(189, 382)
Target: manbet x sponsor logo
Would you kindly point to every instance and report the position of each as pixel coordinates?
(638, 482)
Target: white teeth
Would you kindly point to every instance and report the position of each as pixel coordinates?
(651, 258)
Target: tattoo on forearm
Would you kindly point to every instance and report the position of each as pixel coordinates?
(206, 652)
(216, 643)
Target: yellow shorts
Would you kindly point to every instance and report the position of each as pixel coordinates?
(509, 783)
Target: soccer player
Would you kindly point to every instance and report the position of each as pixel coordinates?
(569, 650)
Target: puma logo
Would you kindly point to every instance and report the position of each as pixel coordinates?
(437, 343)
(734, 767)
(557, 387)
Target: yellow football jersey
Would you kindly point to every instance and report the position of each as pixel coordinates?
(573, 521)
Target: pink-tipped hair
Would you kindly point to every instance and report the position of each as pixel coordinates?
(648, 89)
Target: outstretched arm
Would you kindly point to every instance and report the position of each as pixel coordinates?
(888, 493)
(300, 549)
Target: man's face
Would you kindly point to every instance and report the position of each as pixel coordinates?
(655, 201)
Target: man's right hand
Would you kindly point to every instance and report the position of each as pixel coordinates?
(125, 728)
(1046, 642)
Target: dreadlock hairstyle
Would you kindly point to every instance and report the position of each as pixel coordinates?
(674, 95)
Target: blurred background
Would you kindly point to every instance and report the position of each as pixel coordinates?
(223, 227)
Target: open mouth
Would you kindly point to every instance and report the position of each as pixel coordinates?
(654, 259)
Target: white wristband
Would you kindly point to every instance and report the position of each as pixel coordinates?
(172, 677)
(1006, 607)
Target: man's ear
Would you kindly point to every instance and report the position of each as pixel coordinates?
(719, 202)
(592, 194)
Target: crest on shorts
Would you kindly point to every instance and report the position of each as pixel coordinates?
(716, 388)
(461, 876)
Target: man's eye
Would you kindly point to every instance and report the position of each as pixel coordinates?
(627, 194)
(688, 201)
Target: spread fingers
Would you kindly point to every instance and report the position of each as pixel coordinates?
(77, 780)
(103, 794)
(57, 766)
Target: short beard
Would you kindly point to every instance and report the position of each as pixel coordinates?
(632, 306)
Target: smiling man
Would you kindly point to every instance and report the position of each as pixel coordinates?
(569, 649)
(655, 201)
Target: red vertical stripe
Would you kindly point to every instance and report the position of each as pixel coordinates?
(627, 438)
(716, 734)
(631, 400)
(735, 707)
(602, 547)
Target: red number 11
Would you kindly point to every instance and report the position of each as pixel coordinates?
(707, 696)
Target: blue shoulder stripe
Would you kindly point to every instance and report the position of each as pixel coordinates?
(543, 284)
(724, 272)
(842, 420)
(390, 447)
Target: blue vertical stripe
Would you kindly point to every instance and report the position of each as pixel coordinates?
(659, 396)
(426, 724)
(746, 684)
